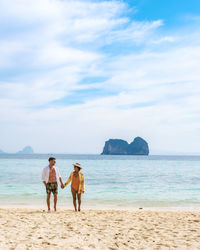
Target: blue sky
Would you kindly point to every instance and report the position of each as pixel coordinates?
(172, 12)
(80, 71)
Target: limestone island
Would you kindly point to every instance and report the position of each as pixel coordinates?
(26, 150)
(120, 147)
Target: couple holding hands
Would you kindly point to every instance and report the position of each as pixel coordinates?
(51, 178)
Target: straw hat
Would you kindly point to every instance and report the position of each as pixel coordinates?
(77, 165)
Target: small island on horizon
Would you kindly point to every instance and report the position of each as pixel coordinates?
(25, 150)
(121, 147)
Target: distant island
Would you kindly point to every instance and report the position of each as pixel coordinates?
(26, 150)
(120, 147)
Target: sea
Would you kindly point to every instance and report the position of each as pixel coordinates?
(120, 182)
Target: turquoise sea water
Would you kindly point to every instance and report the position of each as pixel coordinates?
(111, 181)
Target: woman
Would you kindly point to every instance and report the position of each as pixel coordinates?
(77, 185)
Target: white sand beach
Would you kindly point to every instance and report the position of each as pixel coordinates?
(25, 228)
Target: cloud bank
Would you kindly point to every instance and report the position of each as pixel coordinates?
(75, 73)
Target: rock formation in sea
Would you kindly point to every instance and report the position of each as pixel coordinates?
(120, 147)
(115, 147)
(26, 150)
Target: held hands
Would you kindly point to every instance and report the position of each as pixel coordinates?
(62, 186)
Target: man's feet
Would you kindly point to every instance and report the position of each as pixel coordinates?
(79, 209)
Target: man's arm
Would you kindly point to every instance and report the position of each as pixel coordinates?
(60, 179)
(43, 177)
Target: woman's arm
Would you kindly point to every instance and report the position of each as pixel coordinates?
(82, 188)
(68, 181)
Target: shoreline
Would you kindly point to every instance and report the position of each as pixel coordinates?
(103, 208)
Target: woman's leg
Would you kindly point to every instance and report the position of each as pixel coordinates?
(79, 202)
(74, 198)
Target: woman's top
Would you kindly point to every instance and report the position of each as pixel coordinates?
(75, 182)
(81, 188)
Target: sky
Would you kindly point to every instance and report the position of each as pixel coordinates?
(75, 73)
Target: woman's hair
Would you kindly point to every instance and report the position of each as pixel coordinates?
(78, 168)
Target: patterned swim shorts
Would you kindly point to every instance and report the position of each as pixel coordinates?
(52, 187)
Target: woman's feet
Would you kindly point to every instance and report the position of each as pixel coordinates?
(77, 210)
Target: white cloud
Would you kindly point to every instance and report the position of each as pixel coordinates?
(170, 39)
(55, 55)
(48, 48)
(136, 31)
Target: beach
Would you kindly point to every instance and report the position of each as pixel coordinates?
(34, 228)
(116, 187)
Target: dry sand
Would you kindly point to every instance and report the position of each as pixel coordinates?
(24, 228)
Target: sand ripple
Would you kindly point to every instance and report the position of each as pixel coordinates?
(98, 229)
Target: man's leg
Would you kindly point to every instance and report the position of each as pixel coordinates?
(48, 201)
(55, 201)
(74, 198)
(79, 202)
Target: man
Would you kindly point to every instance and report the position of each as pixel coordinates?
(51, 178)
